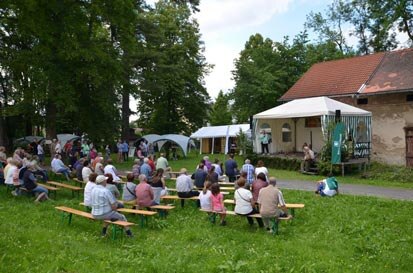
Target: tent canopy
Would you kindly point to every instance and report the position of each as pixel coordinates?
(28, 139)
(309, 107)
(220, 131)
(64, 138)
(181, 140)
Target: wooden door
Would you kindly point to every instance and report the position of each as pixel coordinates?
(409, 146)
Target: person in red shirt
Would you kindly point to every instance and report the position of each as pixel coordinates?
(144, 193)
(151, 162)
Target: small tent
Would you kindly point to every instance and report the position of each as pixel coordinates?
(217, 139)
(180, 140)
(307, 120)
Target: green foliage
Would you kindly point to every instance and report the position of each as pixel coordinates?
(220, 113)
(172, 98)
(292, 164)
(389, 172)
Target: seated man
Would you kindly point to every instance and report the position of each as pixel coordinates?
(110, 169)
(184, 185)
(200, 176)
(29, 182)
(308, 158)
(59, 167)
(144, 193)
(271, 203)
(104, 205)
(327, 187)
(162, 163)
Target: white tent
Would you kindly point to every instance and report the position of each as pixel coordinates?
(307, 120)
(64, 138)
(220, 134)
(182, 141)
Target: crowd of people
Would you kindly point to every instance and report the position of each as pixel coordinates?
(255, 190)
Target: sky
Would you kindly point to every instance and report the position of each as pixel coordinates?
(226, 25)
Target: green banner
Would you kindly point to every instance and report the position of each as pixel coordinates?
(338, 137)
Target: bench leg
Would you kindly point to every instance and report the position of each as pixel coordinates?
(162, 213)
(182, 203)
(212, 217)
(68, 216)
(292, 211)
(115, 231)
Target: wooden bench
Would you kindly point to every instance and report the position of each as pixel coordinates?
(290, 206)
(274, 222)
(67, 186)
(162, 209)
(80, 182)
(117, 226)
(227, 184)
(174, 190)
(356, 161)
(143, 214)
(176, 197)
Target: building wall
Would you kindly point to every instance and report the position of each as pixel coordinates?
(391, 113)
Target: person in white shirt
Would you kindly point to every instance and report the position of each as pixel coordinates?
(58, 148)
(86, 171)
(88, 190)
(109, 168)
(261, 169)
(59, 167)
(244, 203)
(184, 185)
(40, 153)
(205, 196)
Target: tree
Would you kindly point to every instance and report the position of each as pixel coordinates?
(220, 113)
(172, 98)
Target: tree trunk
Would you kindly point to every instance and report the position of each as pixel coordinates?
(51, 112)
(125, 114)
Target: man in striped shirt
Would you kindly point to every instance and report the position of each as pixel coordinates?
(249, 170)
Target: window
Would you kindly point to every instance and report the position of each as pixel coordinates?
(312, 122)
(286, 132)
(409, 98)
(362, 101)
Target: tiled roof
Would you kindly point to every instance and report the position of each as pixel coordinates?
(335, 78)
(395, 73)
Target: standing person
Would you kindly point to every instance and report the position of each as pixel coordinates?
(162, 163)
(231, 168)
(184, 185)
(249, 170)
(87, 200)
(119, 146)
(85, 149)
(261, 169)
(144, 193)
(146, 169)
(244, 203)
(217, 202)
(107, 153)
(104, 205)
(264, 142)
(58, 148)
(271, 203)
(129, 188)
(205, 196)
(40, 153)
(200, 176)
(125, 150)
(53, 148)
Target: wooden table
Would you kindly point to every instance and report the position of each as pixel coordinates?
(357, 161)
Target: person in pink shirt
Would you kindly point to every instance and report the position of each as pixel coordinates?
(144, 193)
(257, 185)
(217, 202)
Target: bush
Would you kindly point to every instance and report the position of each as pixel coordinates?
(291, 164)
(389, 172)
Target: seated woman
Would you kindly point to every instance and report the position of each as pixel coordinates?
(244, 203)
(30, 184)
(257, 185)
(261, 169)
(212, 175)
(88, 190)
(327, 187)
(158, 185)
(129, 188)
(111, 186)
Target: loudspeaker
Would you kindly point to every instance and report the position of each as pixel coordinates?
(338, 116)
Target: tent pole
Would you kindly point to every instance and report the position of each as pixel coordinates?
(295, 134)
(200, 146)
(213, 144)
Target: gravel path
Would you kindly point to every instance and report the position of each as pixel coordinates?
(353, 189)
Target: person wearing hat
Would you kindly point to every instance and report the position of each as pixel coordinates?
(104, 205)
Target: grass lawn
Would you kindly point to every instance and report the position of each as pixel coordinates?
(341, 234)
